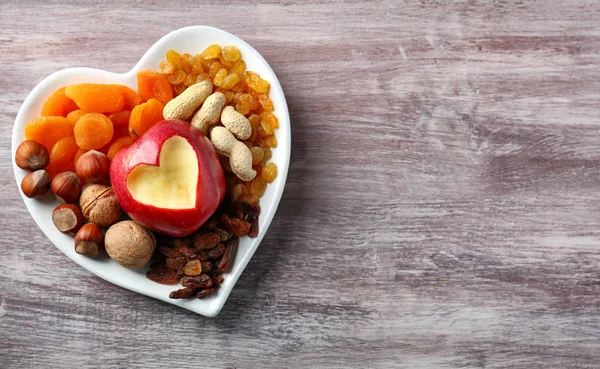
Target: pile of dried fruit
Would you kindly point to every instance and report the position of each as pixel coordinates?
(84, 126)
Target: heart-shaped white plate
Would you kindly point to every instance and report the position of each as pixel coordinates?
(185, 40)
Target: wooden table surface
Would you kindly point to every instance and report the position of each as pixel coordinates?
(441, 209)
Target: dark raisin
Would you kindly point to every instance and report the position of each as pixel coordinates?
(175, 263)
(252, 218)
(223, 234)
(236, 226)
(206, 241)
(226, 262)
(163, 276)
(184, 293)
(188, 252)
(198, 281)
(206, 266)
(217, 280)
(216, 252)
(169, 252)
(202, 255)
(202, 294)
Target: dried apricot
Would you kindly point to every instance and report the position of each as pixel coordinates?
(48, 130)
(144, 116)
(62, 156)
(119, 144)
(93, 130)
(74, 116)
(120, 118)
(58, 104)
(130, 97)
(96, 98)
(79, 153)
(153, 85)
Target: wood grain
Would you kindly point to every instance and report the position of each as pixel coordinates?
(442, 205)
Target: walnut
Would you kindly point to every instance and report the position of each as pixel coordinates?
(100, 205)
(129, 244)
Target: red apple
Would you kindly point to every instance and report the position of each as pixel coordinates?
(170, 180)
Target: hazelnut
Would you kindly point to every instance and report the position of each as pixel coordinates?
(93, 167)
(99, 205)
(35, 184)
(31, 155)
(89, 240)
(66, 187)
(67, 218)
(130, 244)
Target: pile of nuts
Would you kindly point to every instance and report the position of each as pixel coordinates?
(128, 243)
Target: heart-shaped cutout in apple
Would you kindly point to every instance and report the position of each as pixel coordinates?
(170, 180)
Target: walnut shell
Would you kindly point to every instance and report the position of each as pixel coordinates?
(100, 205)
(129, 244)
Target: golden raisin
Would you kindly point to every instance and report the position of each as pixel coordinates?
(176, 78)
(266, 103)
(239, 67)
(173, 57)
(237, 191)
(267, 127)
(214, 69)
(231, 53)
(220, 76)
(267, 142)
(202, 77)
(242, 109)
(257, 154)
(178, 89)
(258, 84)
(271, 119)
(230, 80)
(269, 172)
(93, 130)
(249, 101)
(254, 120)
(211, 52)
(190, 79)
(258, 186)
(166, 67)
(267, 155)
